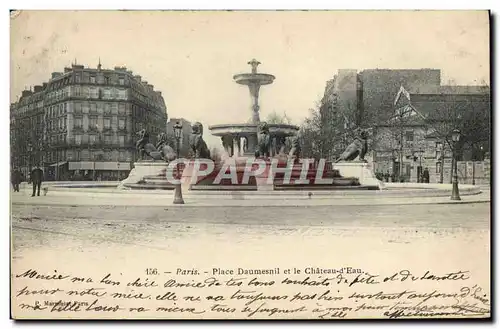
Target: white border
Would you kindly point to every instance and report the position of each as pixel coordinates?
(177, 5)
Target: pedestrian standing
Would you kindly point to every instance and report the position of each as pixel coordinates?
(16, 179)
(36, 179)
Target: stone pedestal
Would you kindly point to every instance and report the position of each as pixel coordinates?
(147, 175)
(361, 170)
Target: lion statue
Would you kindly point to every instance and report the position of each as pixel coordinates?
(263, 141)
(357, 149)
(196, 142)
(166, 151)
(145, 148)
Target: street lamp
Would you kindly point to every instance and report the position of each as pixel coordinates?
(178, 188)
(420, 174)
(455, 137)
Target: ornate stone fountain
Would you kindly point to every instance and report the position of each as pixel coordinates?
(240, 139)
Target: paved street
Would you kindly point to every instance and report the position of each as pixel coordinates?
(157, 228)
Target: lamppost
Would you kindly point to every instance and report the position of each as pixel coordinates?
(420, 172)
(30, 156)
(178, 188)
(455, 137)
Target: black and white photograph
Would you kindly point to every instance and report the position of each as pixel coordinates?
(250, 165)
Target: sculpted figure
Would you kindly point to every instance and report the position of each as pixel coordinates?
(145, 148)
(196, 142)
(227, 144)
(263, 141)
(280, 145)
(166, 151)
(357, 148)
(296, 149)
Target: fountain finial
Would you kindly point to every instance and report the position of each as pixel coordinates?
(254, 63)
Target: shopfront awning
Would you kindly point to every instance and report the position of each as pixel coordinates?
(58, 164)
(99, 165)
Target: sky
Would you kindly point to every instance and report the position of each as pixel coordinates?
(192, 56)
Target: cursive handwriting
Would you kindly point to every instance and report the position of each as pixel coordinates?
(401, 294)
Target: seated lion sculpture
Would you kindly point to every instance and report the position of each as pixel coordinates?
(166, 151)
(263, 141)
(357, 148)
(196, 142)
(145, 148)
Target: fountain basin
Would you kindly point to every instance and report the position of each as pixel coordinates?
(242, 129)
(254, 78)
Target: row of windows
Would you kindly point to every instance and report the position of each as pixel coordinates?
(86, 77)
(93, 123)
(99, 93)
(108, 139)
(86, 107)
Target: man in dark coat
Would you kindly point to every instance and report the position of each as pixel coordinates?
(36, 179)
(425, 175)
(15, 179)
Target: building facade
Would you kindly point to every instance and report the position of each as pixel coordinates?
(406, 147)
(82, 123)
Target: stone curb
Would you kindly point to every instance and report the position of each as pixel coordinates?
(253, 204)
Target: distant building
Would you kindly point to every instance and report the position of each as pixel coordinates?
(186, 132)
(366, 99)
(83, 121)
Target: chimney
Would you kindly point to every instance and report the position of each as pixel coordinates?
(144, 82)
(150, 86)
(121, 69)
(78, 67)
(38, 89)
(67, 69)
(56, 74)
(138, 78)
(158, 93)
(26, 93)
(130, 72)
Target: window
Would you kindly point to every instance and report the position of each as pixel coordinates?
(439, 150)
(78, 107)
(122, 94)
(100, 106)
(93, 122)
(409, 136)
(77, 77)
(93, 107)
(107, 108)
(94, 93)
(106, 93)
(78, 139)
(78, 122)
(121, 140)
(121, 123)
(438, 167)
(107, 123)
(92, 79)
(121, 81)
(85, 91)
(121, 108)
(107, 139)
(85, 107)
(93, 139)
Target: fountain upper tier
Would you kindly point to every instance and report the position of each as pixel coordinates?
(254, 78)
